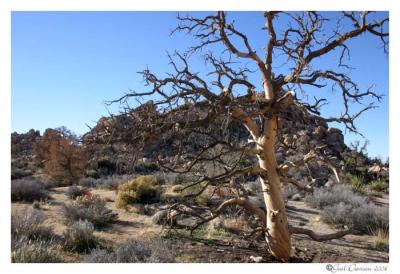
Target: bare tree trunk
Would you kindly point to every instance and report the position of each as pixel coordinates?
(278, 235)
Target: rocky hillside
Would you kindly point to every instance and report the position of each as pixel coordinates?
(116, 142)
(121, 135)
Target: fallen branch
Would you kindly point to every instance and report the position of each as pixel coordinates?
(307, 188)
(319, 237)
(243, 202)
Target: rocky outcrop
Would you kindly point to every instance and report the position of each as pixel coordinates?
(22, 143)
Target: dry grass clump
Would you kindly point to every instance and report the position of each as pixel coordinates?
(380, 238)
(35, 251)
(79, 237)
(134, 251)
(31, 240)
(90, 208)
(29, 224)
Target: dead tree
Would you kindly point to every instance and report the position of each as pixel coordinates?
(189, 103)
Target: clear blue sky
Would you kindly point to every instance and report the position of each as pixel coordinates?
(66, 64)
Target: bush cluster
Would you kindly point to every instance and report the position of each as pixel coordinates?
(32, 241)
(28, 190)
(75, 191)
(134, 251)
(79, 236)
(35, 251)
(342, 206)
(143, 189)
(90, 208)
(29, 224)
(145, 168)
(18, 173)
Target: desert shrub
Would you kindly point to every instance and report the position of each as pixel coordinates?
(111, 182)
(143, 189)
(290, 191)
(34, 251)
(357, 182)
(180, 179)
(87, 182)
(27, 190)
(18, 173)
(106, 166)
(377, 185)
(79, 236)
(29, 224)
(75, 191)
(98, 255)
(91, 173)
(342, 206)
(358, 218)
(146, 168)
(134, 251)
(90, 208)
(330, 196)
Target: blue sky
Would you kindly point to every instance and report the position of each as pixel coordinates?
(66, 64)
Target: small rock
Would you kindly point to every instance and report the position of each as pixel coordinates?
(256, 259)
(296, 197)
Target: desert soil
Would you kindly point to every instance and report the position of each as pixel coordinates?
(222, 248)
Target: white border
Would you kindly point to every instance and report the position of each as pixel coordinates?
(101, 5)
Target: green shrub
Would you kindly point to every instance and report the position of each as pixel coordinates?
(79, 237)
(357, 182)
(90, 208)
(377, 186)
(143, 189)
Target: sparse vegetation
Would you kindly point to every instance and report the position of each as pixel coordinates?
(143, 189)
(18, 173)
(341, 206)
(35, 251)
(76, 191)
(29, 224)
(27, 190)
(221, 152)
(90, 208)
(146, 168)
(377, 186)
(134, 251)
(79, 236)
(357, 183)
